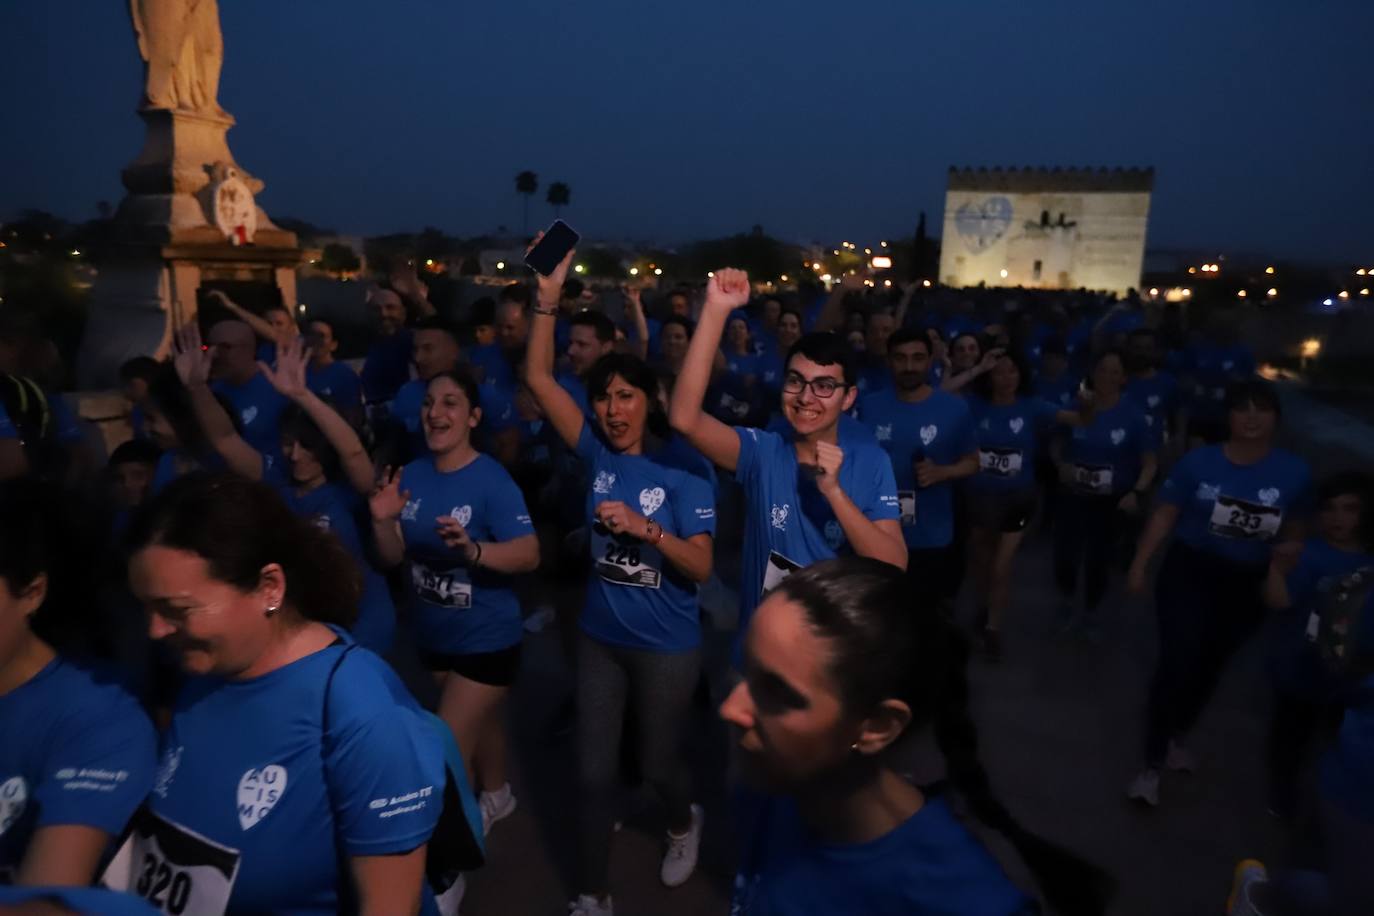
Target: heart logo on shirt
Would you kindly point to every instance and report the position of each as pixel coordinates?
(883, 432)
(248, 415)
(834, 534)
(928, 434)
(1153, 400)
(1016, 425)
(1118, 436)
(651, 500)
(259, 792)
(462, 515)
(14, 797)
(1269, 496)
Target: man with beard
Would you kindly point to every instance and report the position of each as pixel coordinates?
(387, 366)
(929, 437)
(811, 492)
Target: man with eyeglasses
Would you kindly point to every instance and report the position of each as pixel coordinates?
(929, 437)
(812, 492)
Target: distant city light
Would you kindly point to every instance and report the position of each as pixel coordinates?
(1311, 347)
(1154, 291)
(887, 283)
(500, 265)
(710, 273)
(1192, 270)
(429, 262)
(634, 271)
(658, 271)
(816, 266)
(1326, 302)
(826, 278)
(783, 278)
(1358, 273)
(1003, 273)
(1272, 292)
(1242, 293)
(1365, 291)
(925, 283)
(868, 283)
(76, 252)
(1187, 292)
(882, 262)
(868, 251)
(1345, 294)
(837, 251)
(580, 268)
(882, 244)
(1269, 270)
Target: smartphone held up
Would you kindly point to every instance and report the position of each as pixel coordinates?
(558, 240)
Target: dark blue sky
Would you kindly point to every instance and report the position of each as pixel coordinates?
(671, 121)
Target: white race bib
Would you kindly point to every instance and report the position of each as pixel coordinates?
(777, 570)
(906, 499)
(624, 564)
(1000, 462)
(1092, 478)
(1239, 518)
(175, 869)
(446, 588)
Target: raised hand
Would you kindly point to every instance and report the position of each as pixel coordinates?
(289, 376)
(407, 282)
(928, 473)
(621, 519)
(388, 500)
(829, 460)
(192, 358)
(455, 537)
(634, 297)
(727, 290)
(852, 283)
(990, 359)
(551, 287)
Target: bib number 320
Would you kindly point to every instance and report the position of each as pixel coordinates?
(164, 887)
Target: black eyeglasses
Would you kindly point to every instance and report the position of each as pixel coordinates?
(823, 386)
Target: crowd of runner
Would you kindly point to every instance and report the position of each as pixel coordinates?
(196, 711)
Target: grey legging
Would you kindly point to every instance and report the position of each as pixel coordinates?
(662, 685)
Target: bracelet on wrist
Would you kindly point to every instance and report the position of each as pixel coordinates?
(550, 312)
(476, 560)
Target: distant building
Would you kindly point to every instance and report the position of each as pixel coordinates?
(1046, 228)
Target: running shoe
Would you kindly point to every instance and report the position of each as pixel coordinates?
(587, 905)
(1180, 759)
(681, 858)
(1250, 873)
(496, 806)
(1145, 788)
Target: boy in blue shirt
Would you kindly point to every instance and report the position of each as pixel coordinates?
(811, 493)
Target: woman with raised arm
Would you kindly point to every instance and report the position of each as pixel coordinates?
(651, 511)
(841, 672)
(459, 520)
(328, 473)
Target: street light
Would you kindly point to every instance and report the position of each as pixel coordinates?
(1311, 347)
(1154, 291)
(634, 271)
(580, 269)
(500, 265)
(783, 278)
(1345, 294)
(658, 271)
(925, 283)
(1241, 294)
(1272, 292)
(1269, 270)
(1003, 273)
(882, 262)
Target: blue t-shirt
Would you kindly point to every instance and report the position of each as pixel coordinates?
(336, 507)
(939, 428)
(337, 383)
(1296, 662)
(1106, 455)
(88, 901)
(930, 865)
(491, 366)
(788, 524)
(636, 599)
(872, 375)
(1347, 770)
(459, 611)
(1061, 390)
(170, 464)
(387, 366)
(75, 749)
(258, 408)
(1157, 396)
(1009, 437)
(1233, 510)
(63, 423)
(1212, 368)
(258, 781)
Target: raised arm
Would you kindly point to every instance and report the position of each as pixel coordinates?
(831, 317)
(385, 504)
(905, 304)
(634, 308)
(727, 291)
(558, 406)
(985, 365)
(192, 363)
(879, 539)
(289, 379)
(261, 326)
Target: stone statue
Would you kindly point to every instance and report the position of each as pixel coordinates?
(182, 50)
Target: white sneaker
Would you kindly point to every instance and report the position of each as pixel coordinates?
(1180, 759)
(496, 806)
(681, 858)
(587, 905)
(1145, 788)
(1249, 875)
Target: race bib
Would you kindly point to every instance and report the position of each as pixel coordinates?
(1237, 518)
(906, 499)
(446, 588)
(777, 570)
(624, 564)
(1092, 478)
(175, 869)
(1000, 462)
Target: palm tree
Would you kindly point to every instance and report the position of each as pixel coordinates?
(559, 196)
(526, 183)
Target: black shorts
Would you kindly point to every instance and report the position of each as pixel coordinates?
(1006, 512)
(495, 669)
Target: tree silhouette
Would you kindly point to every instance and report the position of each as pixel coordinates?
(559, 196)
(526, 183)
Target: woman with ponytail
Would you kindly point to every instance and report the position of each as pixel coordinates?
(839, 670)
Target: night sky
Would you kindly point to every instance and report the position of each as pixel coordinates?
(673, 121)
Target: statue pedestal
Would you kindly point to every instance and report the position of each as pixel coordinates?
(170, 246)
